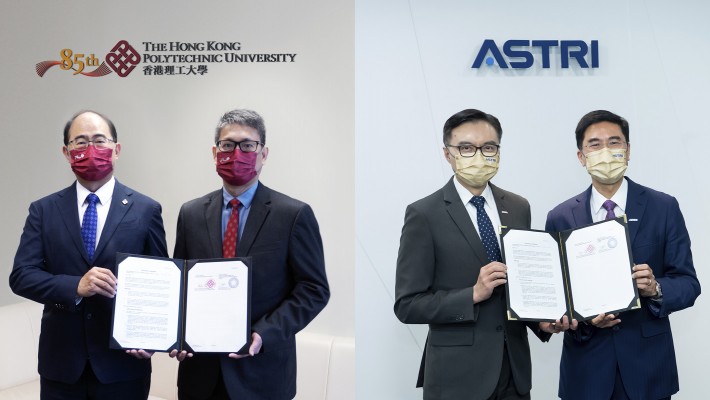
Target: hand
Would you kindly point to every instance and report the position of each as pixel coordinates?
(181, 355)
(99, 281)
(558, 326)
(605, 321)
(645, 281)
(140, 353)
(490, 277)
(256, 343)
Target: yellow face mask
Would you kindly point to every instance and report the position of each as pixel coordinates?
(607, 165)
(476, 171)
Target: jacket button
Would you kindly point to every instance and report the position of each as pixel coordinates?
(88, 316)
(615, 328)
(499, 328)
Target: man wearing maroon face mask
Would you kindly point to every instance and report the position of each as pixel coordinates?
(66, 260)
(289, 287)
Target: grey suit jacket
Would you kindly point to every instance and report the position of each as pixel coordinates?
(289, 288)
(440, 256)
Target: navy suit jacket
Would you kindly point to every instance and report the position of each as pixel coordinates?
(50, 261)
(641, 345)
(289, 288)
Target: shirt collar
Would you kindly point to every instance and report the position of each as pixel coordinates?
(245, 198)
(105, 192)
(466, 196)
(619, 198)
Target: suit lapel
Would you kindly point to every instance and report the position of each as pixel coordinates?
(459, 215)
(260, 208)
(503, 205)
(213, 220)
(121, 202)
(582, 211)
(635, 207)
(66, 203)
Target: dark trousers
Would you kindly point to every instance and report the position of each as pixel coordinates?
(219, 392)
(505, 389)
(88, 387)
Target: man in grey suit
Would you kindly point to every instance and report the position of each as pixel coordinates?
(244, 218)
(449, 273)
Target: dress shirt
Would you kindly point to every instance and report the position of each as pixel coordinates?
(489, 206)
(105, 194)
(245, 199)
(596, 200)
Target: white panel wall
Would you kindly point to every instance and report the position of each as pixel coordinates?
(413, 71)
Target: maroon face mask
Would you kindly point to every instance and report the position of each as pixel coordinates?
(92, 163)
(236, 167)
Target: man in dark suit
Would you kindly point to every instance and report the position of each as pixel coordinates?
(449, 273)
(67, 261)
(627, 356)
(289, 285)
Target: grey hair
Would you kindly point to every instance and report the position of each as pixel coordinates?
(242, 117)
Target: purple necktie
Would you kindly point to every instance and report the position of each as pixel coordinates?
(609, 207)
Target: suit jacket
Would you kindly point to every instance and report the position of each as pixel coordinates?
(49, 263)
(641, 345)
(289, 288)
(440, 256)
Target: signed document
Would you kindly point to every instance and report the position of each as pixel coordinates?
(581, 272)
(163, 304)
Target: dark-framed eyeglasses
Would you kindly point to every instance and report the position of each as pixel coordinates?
(82, 142)
(246, 146)
(469, 150)
(613, 144)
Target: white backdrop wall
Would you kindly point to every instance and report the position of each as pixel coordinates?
(166, 123)
(413, 70)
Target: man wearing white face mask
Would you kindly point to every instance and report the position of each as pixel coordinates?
(450, 275)
(627, 356)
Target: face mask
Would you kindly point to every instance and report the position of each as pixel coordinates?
(476, 171)
(236, 167)
(92, 163)
(606, 165)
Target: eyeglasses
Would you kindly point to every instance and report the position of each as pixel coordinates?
(82, 142)
(613, 144)
(246, 146)
(469, 150)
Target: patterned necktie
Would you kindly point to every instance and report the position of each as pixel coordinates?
(89, 224)
(485, 227)
(229, 243)
(609, 207)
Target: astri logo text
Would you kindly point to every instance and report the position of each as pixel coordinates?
(519, 53)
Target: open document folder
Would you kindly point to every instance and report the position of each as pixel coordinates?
(580, 272)
(195, 305)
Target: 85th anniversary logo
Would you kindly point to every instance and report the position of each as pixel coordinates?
(159, 58)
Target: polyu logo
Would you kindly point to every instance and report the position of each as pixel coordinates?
(519, 54)
(224, 159)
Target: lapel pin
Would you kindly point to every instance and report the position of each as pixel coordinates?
(124, 201)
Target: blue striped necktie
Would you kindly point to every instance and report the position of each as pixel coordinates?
(89, 224)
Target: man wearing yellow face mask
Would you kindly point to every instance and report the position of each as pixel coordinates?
(628, 356)
(450, 275)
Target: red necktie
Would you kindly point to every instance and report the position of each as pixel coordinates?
(229, 243)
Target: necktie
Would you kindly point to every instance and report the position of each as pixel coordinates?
(485, 227)
(609, 207)
(89, 223)
(229, 243)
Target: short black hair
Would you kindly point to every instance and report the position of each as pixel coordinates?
(470, 115)
(67, 126)
(597, 116)
(243, 117)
